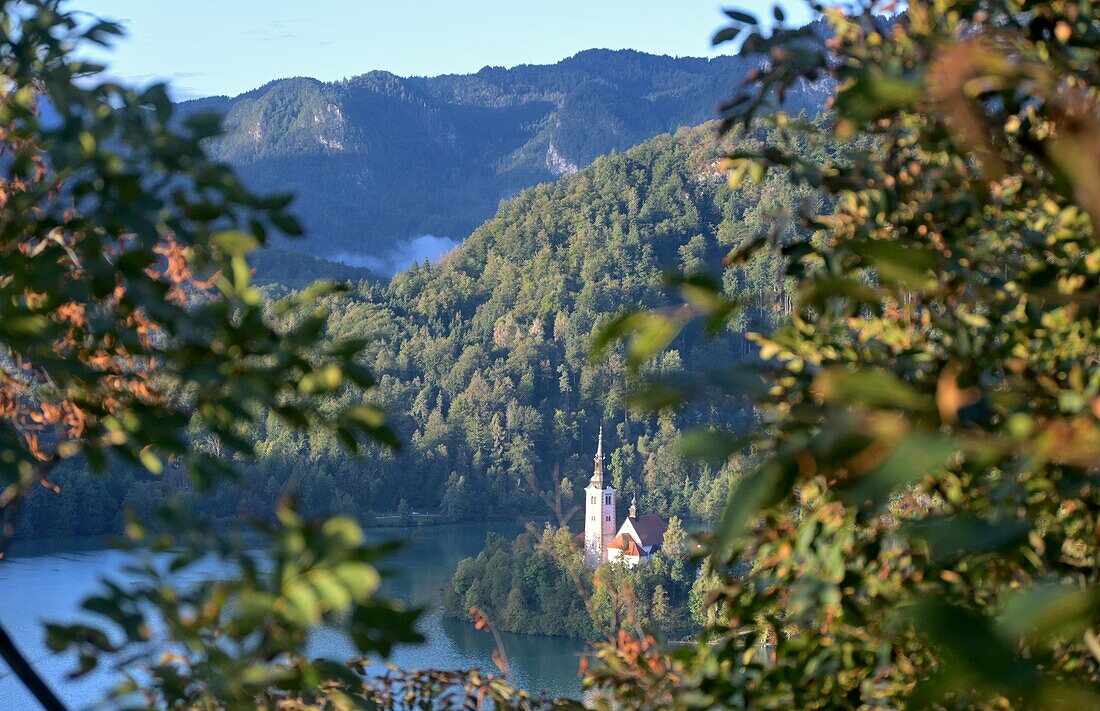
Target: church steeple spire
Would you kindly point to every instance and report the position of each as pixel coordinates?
(634, 506)
(597, 473)
(599, 512)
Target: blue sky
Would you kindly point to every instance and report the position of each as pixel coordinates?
(205, 47)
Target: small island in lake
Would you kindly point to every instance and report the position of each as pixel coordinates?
(634, 573)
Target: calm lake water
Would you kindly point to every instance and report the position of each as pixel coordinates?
(46, 580)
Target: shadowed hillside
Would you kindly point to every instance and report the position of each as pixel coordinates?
(378, 158)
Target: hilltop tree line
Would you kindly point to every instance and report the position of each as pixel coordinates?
(376, 157)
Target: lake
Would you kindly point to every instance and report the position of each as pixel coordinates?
(46, 580)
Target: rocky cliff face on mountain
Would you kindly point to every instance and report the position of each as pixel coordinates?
(378, 159)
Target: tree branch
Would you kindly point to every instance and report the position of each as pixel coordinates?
(26, 673)
(10, 653)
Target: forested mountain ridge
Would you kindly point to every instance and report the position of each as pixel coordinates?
(483, 359)
(378, 158)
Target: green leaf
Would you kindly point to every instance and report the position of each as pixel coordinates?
(659, 394)
(301, 605)
(360, 578)
(725, 35)
(332, 593)
(288, 224)
(348, 347)
(970, 651)
(649, 333)
(368, 416)
(736, 177)
(873, 95)
(17, 326)
(1049, 611)
(322, 380)
(255, 607)
(344, 530)
(713, 446)
(150, 460)
(234, 243)
(915, 456)
(652, 333)
(293, 416)
(204, 124)
(869, 387)
(742, 17)
(745, 251)
(949, 537)
(761, 488)
(901, 264)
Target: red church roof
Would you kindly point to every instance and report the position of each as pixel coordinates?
(626, 544)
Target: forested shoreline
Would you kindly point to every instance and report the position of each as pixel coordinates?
(538, 584)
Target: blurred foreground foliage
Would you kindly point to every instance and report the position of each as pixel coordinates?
(921, 528)
(128, 316)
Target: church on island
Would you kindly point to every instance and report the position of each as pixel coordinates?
(636, 540)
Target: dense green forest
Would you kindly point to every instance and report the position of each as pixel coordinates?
(377, 158)
(483, 363)
(538, 584)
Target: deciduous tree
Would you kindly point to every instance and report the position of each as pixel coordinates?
(921, 527)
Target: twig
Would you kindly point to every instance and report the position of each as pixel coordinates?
(10, 653)
(500, 656)
(26, 673)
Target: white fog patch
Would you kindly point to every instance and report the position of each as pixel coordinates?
(401, 256)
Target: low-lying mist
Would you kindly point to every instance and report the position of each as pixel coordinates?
(401, 256)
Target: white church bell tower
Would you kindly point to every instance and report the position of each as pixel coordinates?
(599, 513)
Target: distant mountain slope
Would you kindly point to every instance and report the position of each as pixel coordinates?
(379, 158)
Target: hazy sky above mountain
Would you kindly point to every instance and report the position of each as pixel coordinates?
(206, 47)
